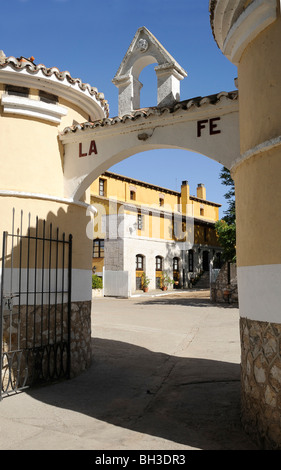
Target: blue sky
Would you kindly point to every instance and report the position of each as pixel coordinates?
(89, 38)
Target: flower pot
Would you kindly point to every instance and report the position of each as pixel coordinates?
(164, 288)
(145, 289)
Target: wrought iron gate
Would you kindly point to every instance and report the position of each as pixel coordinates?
(35, 306)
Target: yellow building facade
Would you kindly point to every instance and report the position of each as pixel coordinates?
(145, 229)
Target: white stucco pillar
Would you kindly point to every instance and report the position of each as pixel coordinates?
(129, 94)
(168, 85)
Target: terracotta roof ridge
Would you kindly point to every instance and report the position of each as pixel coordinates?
(23, 63)
(185, 105)
(155, 186)
(140, 182)
(205, 201)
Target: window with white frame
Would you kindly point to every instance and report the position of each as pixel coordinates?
(139, 262)
(98, 248)
(140, 222)
(101, 187)
(158, 263)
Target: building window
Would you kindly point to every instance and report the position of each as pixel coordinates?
(132, 195)
(161, 201)
(202, 211)
(139, 262)
(101, 187)
(17, 90)
(159, 263)
(140, 222)
(176, 272)
(98, 248)
(48, 97)
(190, 261)
(176, 264)
(205, 234)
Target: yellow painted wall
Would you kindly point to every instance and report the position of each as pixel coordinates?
(210, 212)
(205, 235)
(120, 190)
(259, 70)
(155, 225)
(98, 263)
(69, 218)
(257, 179)
(144, 195)
(32, 156)
(257, 185)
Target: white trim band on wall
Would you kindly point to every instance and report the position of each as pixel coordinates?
(264, 146)
(81, 288)
(253, 20)
(33, 108)
(260, 292)
(47, 197)
(72, 92)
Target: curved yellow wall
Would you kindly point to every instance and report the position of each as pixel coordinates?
(257, 178)
(260, 88)
(32, 162)
(257, 183)
(69, 218)
(31, 154)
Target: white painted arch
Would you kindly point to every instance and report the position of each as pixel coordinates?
(209, 126)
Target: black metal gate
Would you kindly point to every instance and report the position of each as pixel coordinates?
(35, 306)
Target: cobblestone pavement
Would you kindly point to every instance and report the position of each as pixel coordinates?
(165, 376)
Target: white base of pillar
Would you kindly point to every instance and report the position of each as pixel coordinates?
(259, 290)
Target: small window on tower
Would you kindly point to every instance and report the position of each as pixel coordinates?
(48, 97)
(17, 90)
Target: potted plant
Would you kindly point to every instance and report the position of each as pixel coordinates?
(166, 280)
(226, 294)
(145, 282)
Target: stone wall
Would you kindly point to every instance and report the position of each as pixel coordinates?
(80, 338)
(97, 293)
(36, 339)
(113, 255)
(225, 289)
(261, 382)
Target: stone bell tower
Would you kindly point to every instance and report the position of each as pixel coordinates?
(144, 50)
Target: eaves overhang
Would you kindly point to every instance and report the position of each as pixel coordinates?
(26, 74)
(179, 111)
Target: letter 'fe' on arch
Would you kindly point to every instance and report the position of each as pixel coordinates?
(210, 124)
(92, 149)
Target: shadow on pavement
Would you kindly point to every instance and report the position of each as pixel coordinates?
(190, 401)
(185, 302)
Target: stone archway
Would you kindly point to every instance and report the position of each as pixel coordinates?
(209, 126)
(206, 125)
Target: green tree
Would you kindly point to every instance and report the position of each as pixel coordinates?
(226, 227)
(226, 179)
